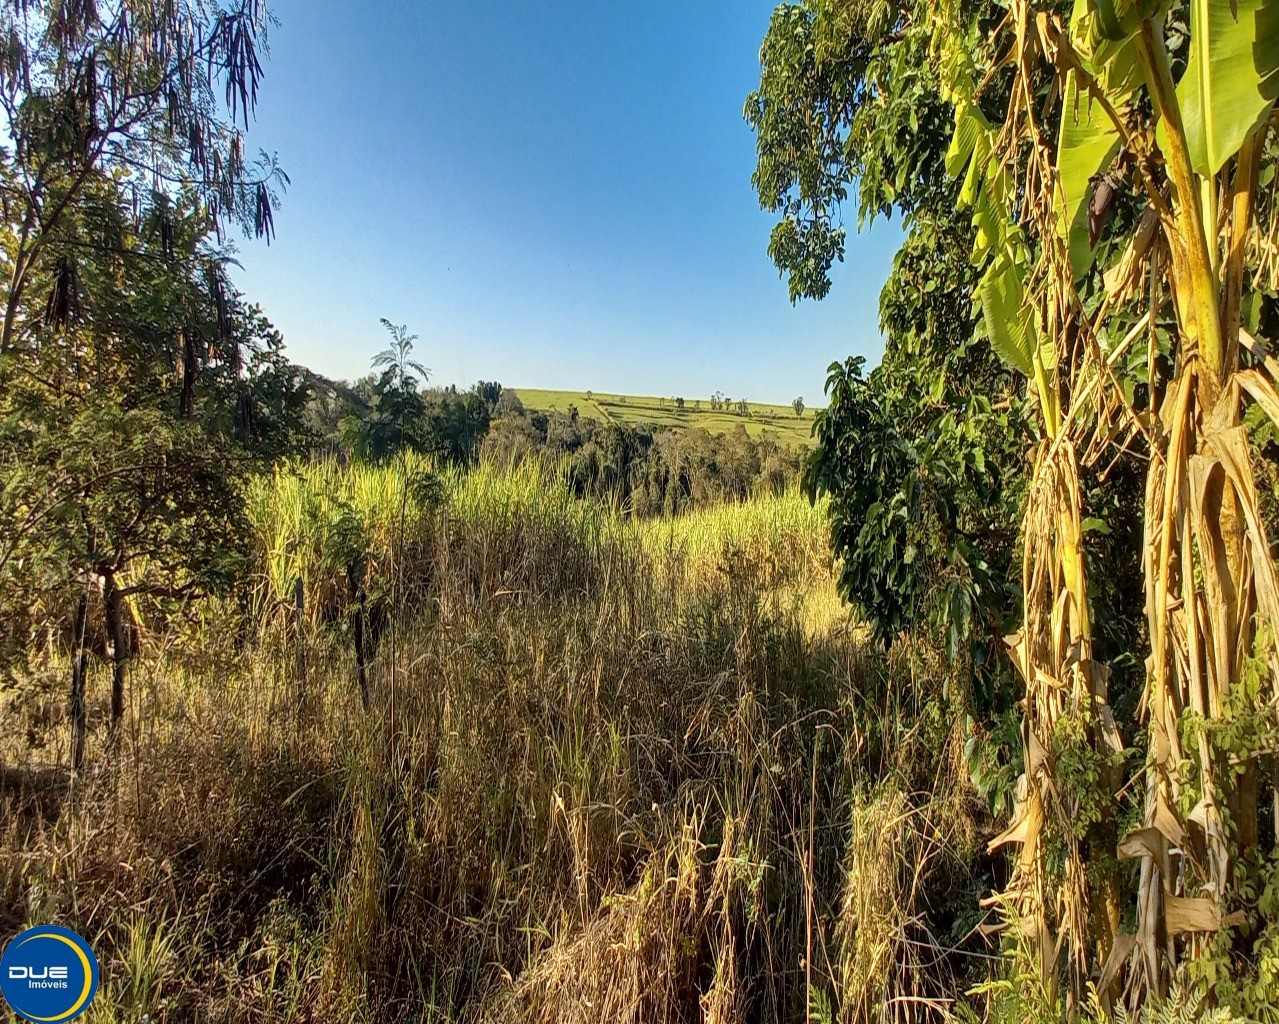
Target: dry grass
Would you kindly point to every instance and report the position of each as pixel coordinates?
(612, 771)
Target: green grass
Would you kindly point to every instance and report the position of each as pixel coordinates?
(779, 421)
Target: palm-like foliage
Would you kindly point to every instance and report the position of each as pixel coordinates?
(397, 360)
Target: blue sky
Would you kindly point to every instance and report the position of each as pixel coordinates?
(550, 195)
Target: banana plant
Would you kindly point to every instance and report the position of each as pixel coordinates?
(1173, 107)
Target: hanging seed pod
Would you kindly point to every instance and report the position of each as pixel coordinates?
(264, 217)
(173, 111)
(13, 62)
(167, 233)
(63, 307)
(190, 369)
(199, 154)
(226, 326)
(244, 420)
(1101, 207)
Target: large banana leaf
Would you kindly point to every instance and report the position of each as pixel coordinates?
(1009, 321)
(1118, 20)
(971, 139)
(1086, 145)
(1111, 60)
(1231, 79)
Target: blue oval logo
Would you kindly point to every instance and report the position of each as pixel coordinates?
(48, 974)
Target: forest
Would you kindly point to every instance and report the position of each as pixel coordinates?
(384, 700)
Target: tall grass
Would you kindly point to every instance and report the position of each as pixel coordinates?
(306, 515)
(625, 773)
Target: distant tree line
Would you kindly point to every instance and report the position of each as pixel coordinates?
(649, 469)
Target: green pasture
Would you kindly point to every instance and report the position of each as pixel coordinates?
(778, 420)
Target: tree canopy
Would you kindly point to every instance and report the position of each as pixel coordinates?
(137, 386)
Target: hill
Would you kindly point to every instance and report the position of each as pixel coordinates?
(778, 420)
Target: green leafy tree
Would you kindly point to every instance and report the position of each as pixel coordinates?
(137, 385)
(458, 422)
(147, 390)
(400, 371)
(849, 109)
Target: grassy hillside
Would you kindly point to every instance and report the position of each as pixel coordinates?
(778, 420)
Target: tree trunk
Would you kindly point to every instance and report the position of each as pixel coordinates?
(299, 600)
(359, 626)
(17, 285)
(361, 669)
(10, 316)
(79, 668)
(1274, 802)
(186, 403)
(117, 641)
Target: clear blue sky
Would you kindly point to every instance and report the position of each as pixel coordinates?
(551, 195)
